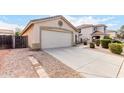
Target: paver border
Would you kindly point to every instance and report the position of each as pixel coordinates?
(38, 68)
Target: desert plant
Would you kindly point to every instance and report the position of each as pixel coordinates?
(97, 42)
(105, 43)
(92, 45)
(116, 48)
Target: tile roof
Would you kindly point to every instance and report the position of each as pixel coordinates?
(90, 25)
(98, 25)
(85, 26)
(98, 33)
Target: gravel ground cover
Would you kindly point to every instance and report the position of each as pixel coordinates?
(54, 67)
(16, 64)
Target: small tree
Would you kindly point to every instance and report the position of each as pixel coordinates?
(17, 31)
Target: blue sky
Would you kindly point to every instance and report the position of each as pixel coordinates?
(13, 21)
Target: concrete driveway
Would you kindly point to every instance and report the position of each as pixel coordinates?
(89, 63)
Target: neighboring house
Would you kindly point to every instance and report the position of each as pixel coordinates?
(89, 31)
(6, 32)
(112, 34)
(51, 32)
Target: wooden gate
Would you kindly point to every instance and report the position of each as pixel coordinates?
(6, 42)
(21, 42)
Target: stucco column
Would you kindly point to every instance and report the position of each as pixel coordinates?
(90, 39)
(13, 39)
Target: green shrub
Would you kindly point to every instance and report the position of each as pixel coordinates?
(116, 48)
(122, 44)
(106, 37)
(105, 43)
(97, 42)
(92, 45)
(116, 41)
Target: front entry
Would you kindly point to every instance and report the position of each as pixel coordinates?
(76, 41)
(95, 38)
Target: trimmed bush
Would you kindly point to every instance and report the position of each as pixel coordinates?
(123, 45)
(106, 37)
(116, 41)
(97, 42)
(116, 48)
(105, 43)
(92, 45)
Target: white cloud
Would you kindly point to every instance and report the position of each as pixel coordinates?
(87, 20)
(4, 25)
(111, 25)
(106, 19)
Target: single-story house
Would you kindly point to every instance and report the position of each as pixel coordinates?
(6, 32)
(51, 32)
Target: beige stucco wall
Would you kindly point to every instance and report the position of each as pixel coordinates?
(29, 30)
(54, 23)
(51, 23)
(29, 34)
(34, 31)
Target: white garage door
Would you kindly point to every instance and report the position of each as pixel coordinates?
(53, 39)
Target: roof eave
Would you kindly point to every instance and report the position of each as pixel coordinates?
(37, 20)
(27, 26)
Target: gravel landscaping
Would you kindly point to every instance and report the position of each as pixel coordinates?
(15, 63)
(54, 67)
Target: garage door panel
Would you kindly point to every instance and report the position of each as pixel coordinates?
(53, 39)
